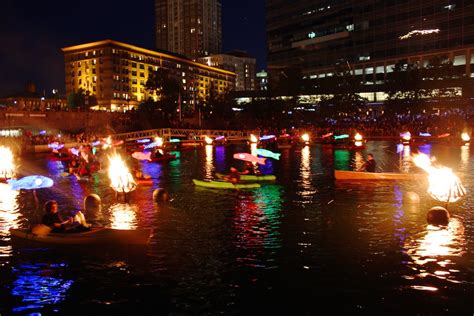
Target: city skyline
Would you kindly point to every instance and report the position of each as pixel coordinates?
(32, 36)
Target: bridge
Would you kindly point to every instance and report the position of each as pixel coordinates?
(189, 134)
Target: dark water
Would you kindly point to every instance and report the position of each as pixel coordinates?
(300, 245)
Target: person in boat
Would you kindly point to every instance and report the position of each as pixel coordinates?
(54, 220)
(370, 164)
(73, 166)
(250, 169)
(234, 176)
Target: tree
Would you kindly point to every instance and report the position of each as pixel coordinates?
(166, 88)
(405, 88)
(340, 94)
(76, 100)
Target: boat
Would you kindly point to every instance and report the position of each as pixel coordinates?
(362, 175)
(163, 157)
(144, 181)
(97, 235)
(225, 185)
(249, 177)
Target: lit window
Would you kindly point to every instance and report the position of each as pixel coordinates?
(459, 60)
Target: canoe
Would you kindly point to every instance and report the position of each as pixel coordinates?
(249, 177)
(163, 158)
(98, 235)
(225, 185)
(360, 175)
(148, 181)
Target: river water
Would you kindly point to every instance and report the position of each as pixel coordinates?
(298, 245)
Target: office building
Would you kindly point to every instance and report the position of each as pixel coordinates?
(188, 27)
(116, 74)
(368, 37)
(236, 61)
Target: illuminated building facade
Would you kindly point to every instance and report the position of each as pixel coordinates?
(368, 36)
(188, 27)
(236, 61)
(31, 100)
(116, 74)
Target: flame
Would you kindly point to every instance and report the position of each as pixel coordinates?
(358, 137)
(208, 140)
(465, 137)
(406, 136)
(444, 185)
(120, 178)
(158, 141)
(7, 166)
(253, 138)
(107, 143)
(305, 137)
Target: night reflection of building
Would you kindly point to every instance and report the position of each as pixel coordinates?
(368, 37)
(116, 73)
(433, 253)
(123, 216)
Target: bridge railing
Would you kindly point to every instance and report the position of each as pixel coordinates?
(168, 133)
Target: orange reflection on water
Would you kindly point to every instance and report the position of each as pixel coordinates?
(123, 216)
(209, 161)
(358, 160)
(464, 157)
(9, 215)
(433, 252)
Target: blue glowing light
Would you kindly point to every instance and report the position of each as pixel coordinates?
(141, 141)
(267, 137)
(268, 153)
(341, 136)
(31, 183)
(425, 134)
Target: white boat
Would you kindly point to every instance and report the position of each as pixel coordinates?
(98, 235)
(362, 175)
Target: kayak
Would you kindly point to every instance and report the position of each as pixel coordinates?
(148, 181)
(249, 177)
(163, 158)
(98, 235)
(361, 175)
(225, 185)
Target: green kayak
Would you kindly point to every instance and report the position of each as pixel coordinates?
(225, 185)
(248, 177)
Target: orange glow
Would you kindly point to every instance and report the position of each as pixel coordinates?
(120, 178)
(7, 166)
(444, 185)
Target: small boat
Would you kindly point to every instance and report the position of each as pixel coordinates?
(250, 177)
(361, 175)
(97, 235)
(163, 158)
(225, 185)
(144, 181)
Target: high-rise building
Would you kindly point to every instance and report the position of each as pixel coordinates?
(368, 36)
(116, 74)
(236, 61)
(188, 27)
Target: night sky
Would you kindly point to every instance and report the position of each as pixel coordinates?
(32, 34)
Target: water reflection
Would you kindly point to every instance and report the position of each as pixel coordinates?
(358, 160)
(257, 221)
(341, 159)
(405, 164)
(9, 216)
(39, 285)
(209, 164)
(464, 165)
(307, 191)
(432, 252)
(123, 216)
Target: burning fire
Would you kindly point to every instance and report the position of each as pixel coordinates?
(253, 138)
(305, 137)
(7, 166)
(208, 140)
(120, 178)
(444, 185)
